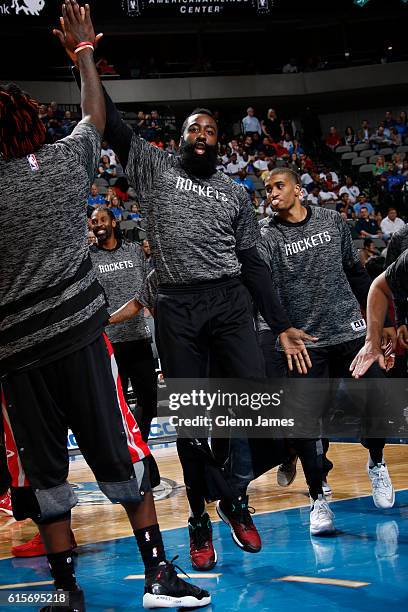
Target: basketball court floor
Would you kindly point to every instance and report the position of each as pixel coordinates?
(364, 566)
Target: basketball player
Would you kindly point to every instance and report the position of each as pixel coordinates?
(202, 233)
(315, 244)
(56, 367)
(121, 268)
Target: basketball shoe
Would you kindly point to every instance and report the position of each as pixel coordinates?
(202, 553)
(164, 589)
(237, 514)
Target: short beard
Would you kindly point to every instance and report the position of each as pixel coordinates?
(198, 165)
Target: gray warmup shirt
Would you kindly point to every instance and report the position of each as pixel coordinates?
(50, 300)
(307, 262)
(195, 225)
(122, 272)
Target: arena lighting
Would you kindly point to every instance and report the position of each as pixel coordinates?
(364, 2)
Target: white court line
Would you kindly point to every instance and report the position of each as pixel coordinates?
(351, 584)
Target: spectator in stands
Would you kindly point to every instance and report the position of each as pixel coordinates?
(271, 126)
(350, 138)
(155, 125)
(67, 123)
(314, 197)
(366, 227)
(261, 163)
(392, 222)
(256, 142)
(362, 200)
(296, 147)
(306, 162)
(146, 251)
(397, 161)
(380, 166)
(401, 126)
(248, 145)
(246, 182)
(345, 207)
(115, 205)
(365, 132)
(280, 151)
(134, 213)
(110, 194)
(250, 123)
(268, 147)
(141, 124)
(106, 150)
(95, 199)
(368, 251)
(393, 180)
(294, 163)
(287, 142)
(290, 67)
(104, 67)
(172, 147)
(43, 114)
(380, 137)
(326, 196)
(106, 170)
(404, 170)
(121, 187)
(234, 165)
(389, 120)
(351, 189)
(395, 137)
(333, 138)
(307, 180)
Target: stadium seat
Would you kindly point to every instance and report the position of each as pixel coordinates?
(366, 153)
(366, 169)
(348, 156)
(373, 159)
(358, 161)
(101, 182)
(343, 149)
(386, 151)
(362, 146)
(402, 149)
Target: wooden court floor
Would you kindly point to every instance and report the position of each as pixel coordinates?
(99, 520)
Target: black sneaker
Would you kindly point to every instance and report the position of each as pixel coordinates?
(164, 589)
(76, 603)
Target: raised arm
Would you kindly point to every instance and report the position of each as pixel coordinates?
(78, 37)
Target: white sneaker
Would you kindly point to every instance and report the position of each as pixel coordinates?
(287, 473)
(326, 488)
(383, 491)
(321, 517)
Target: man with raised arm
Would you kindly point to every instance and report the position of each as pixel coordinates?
(57, 368)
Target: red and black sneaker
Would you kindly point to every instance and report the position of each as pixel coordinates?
(237, 514)
(202, 552)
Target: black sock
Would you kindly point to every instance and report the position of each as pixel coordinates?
(376, 455)
(63, 570)
(150, 543)
(196, 502)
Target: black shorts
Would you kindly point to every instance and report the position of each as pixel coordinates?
(80, 391)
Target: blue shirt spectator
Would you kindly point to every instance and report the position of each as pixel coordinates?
(95, 198)
(245, 181)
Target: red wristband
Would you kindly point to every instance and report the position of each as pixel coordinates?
(83, 43)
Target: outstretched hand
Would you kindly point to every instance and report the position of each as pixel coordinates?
(76, 27)
(292, 342)
(365, 358)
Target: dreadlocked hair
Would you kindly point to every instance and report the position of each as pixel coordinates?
(21, 130)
